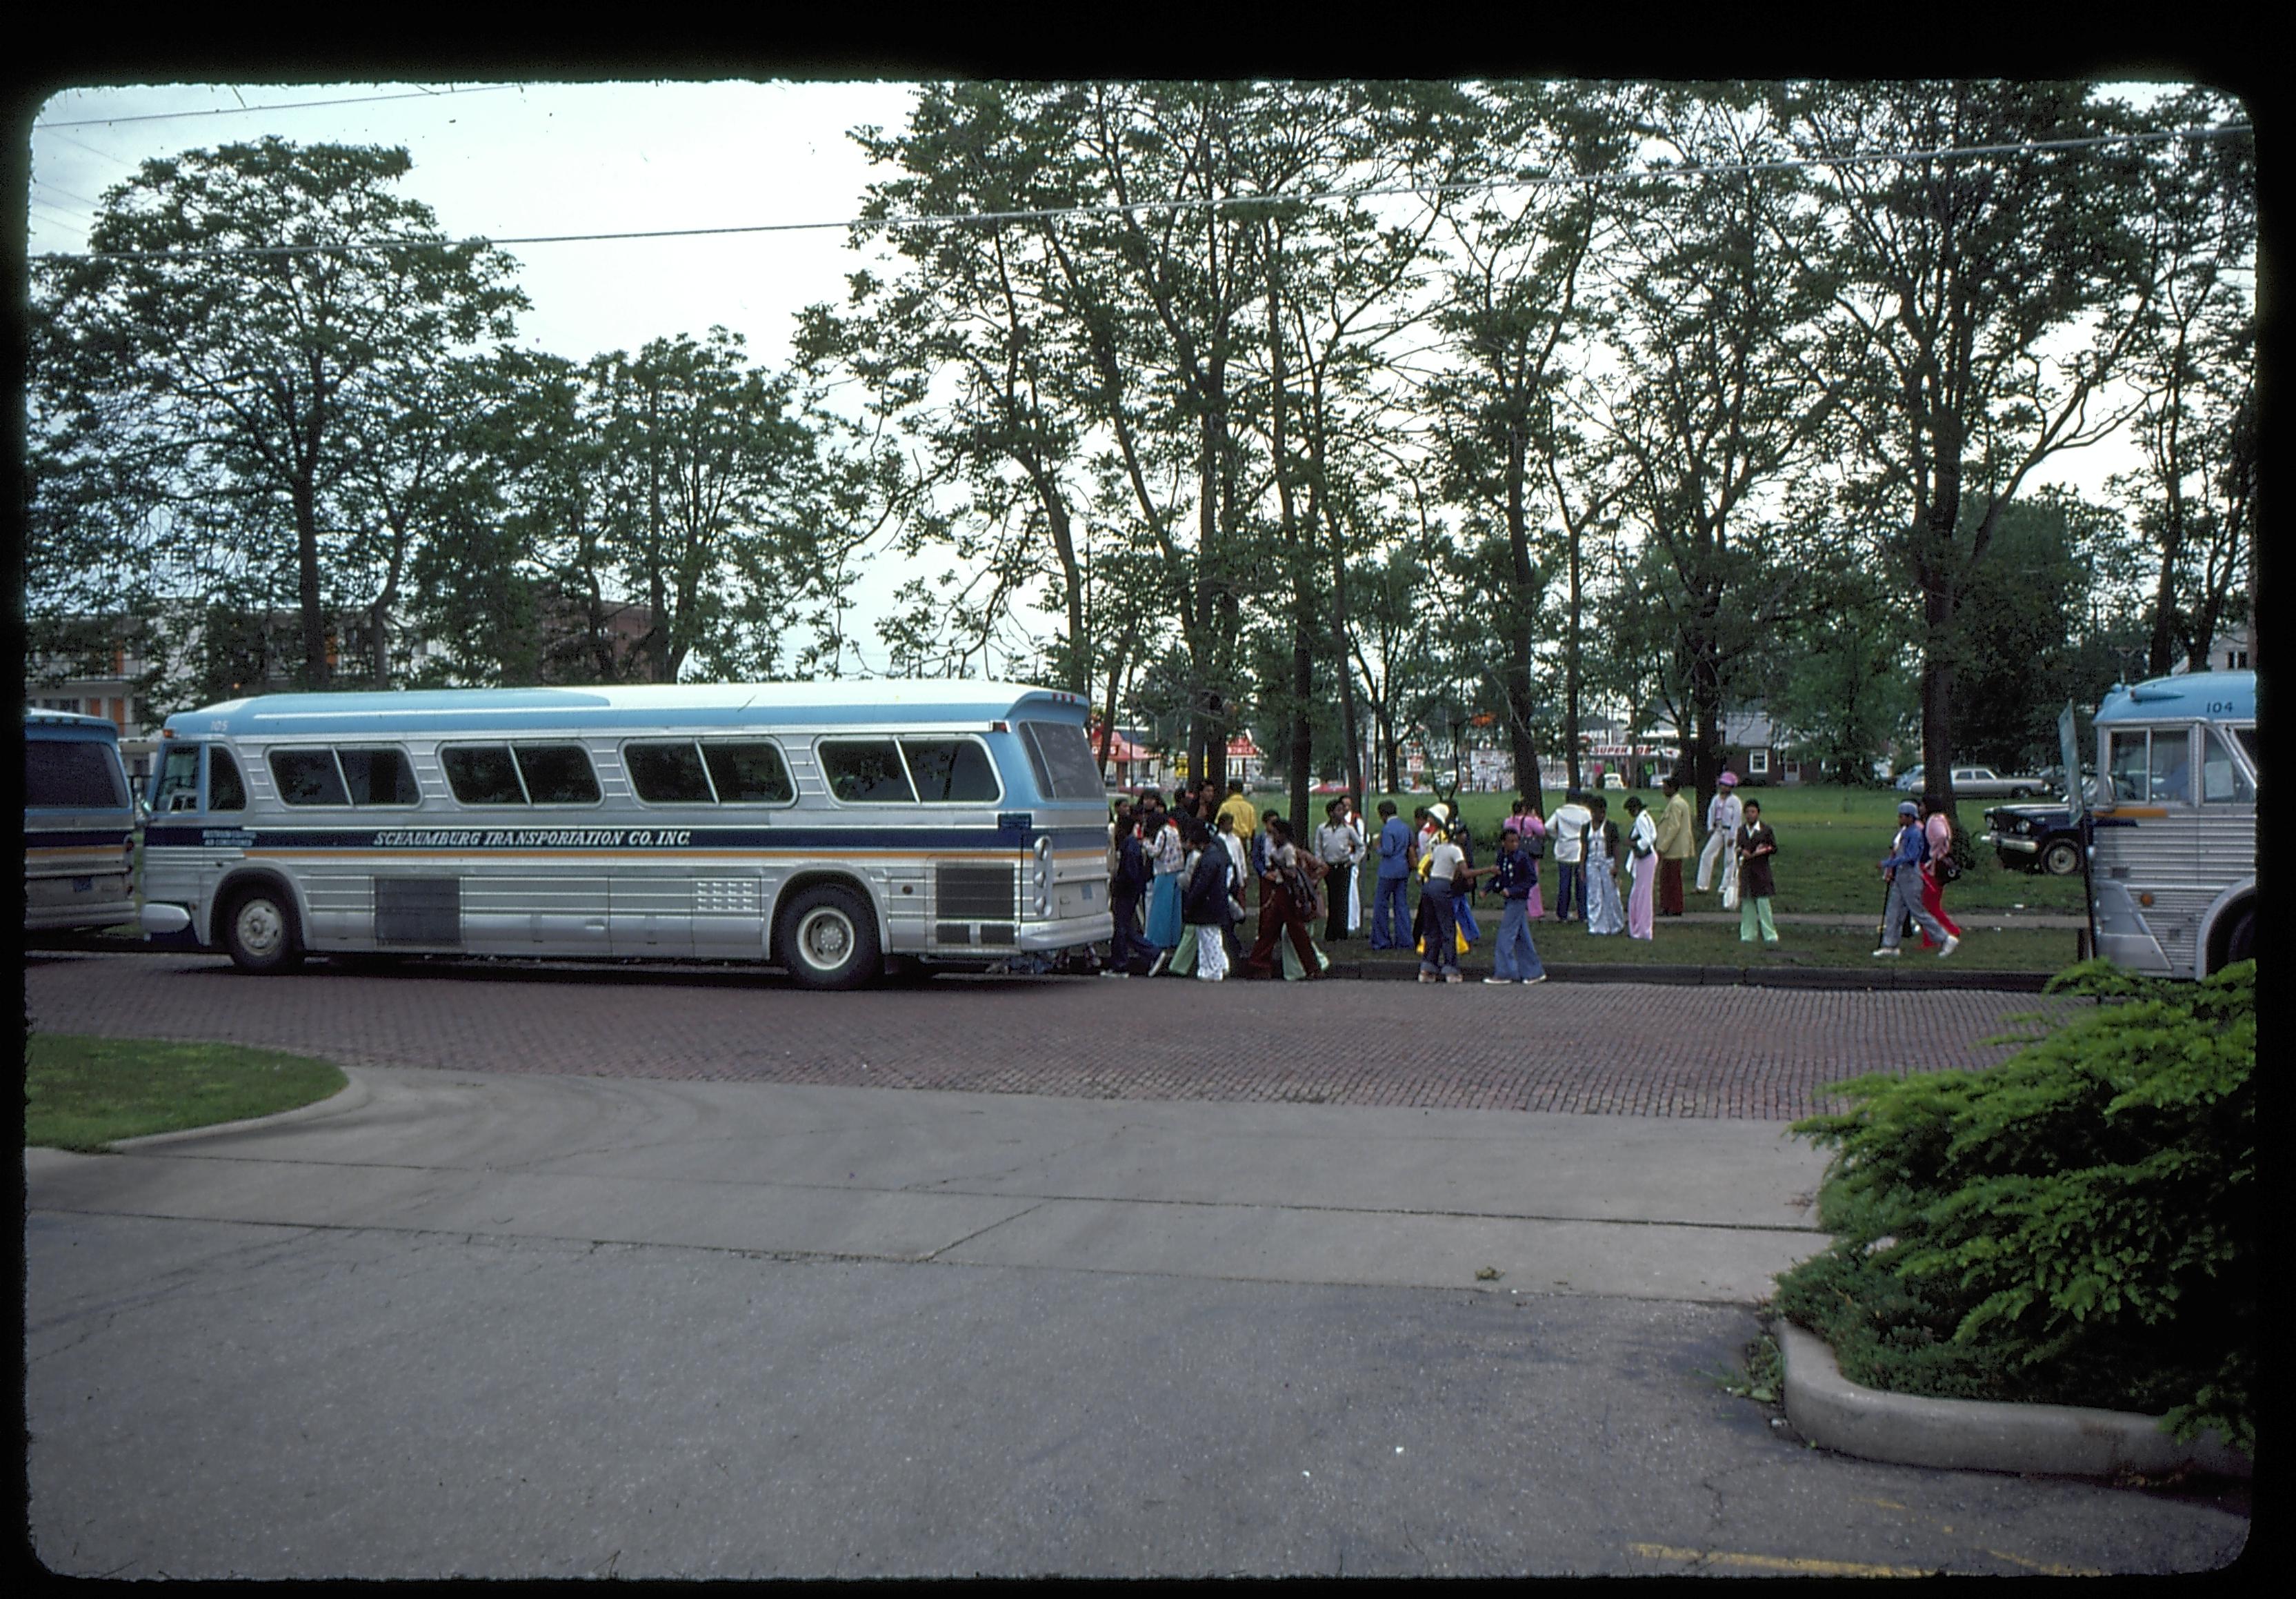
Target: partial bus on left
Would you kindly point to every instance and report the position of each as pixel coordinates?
(79, 823)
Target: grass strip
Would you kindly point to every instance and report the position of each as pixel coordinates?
(83, 1093)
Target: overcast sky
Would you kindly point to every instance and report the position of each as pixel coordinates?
(551, 159)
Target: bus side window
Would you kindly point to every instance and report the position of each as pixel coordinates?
(666, 773)
(481, 775)
(865, 772)
(2128, 765)
(951, 771)
(179, 780)
(557, 774)
(227, 789)
(308, 777)
(2222, 781)
(379, 777)
(750, 774)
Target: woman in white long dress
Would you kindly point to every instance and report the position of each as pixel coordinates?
(1606, 914)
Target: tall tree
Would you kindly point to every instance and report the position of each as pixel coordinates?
(1986, 290)
(1714, 412)
(2194, 360)
(247, 301)
(1511, 305)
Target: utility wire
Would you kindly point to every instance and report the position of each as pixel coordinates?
(295, 105)
(1211, 203)
(52, 188)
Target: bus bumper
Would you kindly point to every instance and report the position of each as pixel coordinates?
(1066, 934)
(168, 926)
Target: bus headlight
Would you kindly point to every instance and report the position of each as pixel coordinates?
(1043, 846)
(1042, 904)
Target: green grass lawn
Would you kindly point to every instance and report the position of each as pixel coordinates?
(1828, 839)
(81, 1092)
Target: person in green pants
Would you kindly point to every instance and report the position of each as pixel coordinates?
(1756, 845)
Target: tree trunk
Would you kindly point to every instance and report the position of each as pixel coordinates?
(316, 673)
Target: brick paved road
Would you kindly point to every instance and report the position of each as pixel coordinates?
(1617, 1049)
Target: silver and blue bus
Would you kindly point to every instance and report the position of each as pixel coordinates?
(79, 823)
(834, 829)
(2172, 857)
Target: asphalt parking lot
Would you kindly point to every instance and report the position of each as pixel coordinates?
(648, 1274)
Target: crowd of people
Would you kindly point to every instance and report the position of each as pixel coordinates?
(1183, 880)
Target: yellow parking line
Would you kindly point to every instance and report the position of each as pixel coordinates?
(1778, 1562)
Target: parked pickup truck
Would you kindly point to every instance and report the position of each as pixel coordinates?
(2034, 838)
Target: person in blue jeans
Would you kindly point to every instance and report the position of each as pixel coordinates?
(1389, 905)
(1515, 958)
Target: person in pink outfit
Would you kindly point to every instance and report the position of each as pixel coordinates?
(1642, 856)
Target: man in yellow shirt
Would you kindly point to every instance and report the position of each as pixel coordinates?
(1675, 846)
(1243, 814)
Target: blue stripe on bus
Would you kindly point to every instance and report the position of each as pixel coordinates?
(576, 837)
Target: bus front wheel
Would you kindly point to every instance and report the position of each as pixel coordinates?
(260, 932)
(2240, 944)
(828, 939)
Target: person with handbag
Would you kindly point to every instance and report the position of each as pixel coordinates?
(1940, 869)
(1284, 899)
(1901, 869)
(1642, 868)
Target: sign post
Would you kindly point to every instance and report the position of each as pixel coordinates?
(2077, 796)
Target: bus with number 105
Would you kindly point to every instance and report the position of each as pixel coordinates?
(837, 830)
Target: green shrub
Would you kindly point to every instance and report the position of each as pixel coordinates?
(2076, 1225)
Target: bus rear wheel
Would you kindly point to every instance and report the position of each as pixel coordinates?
(827, 939)
(260, 932)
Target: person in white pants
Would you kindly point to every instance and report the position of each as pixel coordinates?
(1724, 813)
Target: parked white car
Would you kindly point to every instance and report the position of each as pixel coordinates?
(1980, 783)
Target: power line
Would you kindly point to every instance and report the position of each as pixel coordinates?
(104, 154)
(1211, 203)
(67, 193)
(248, 110)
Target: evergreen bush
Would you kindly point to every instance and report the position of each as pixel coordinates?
(2076, 1225)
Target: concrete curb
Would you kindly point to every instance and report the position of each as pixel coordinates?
(350, 1096)
(2071, 1440)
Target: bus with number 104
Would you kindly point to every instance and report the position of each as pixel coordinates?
(2172, 839)
(837, 830)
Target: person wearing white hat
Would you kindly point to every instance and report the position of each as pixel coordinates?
(1724, 813)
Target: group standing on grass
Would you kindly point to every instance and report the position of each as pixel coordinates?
(1182, 880)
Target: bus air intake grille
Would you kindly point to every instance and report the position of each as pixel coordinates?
(970, 893)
